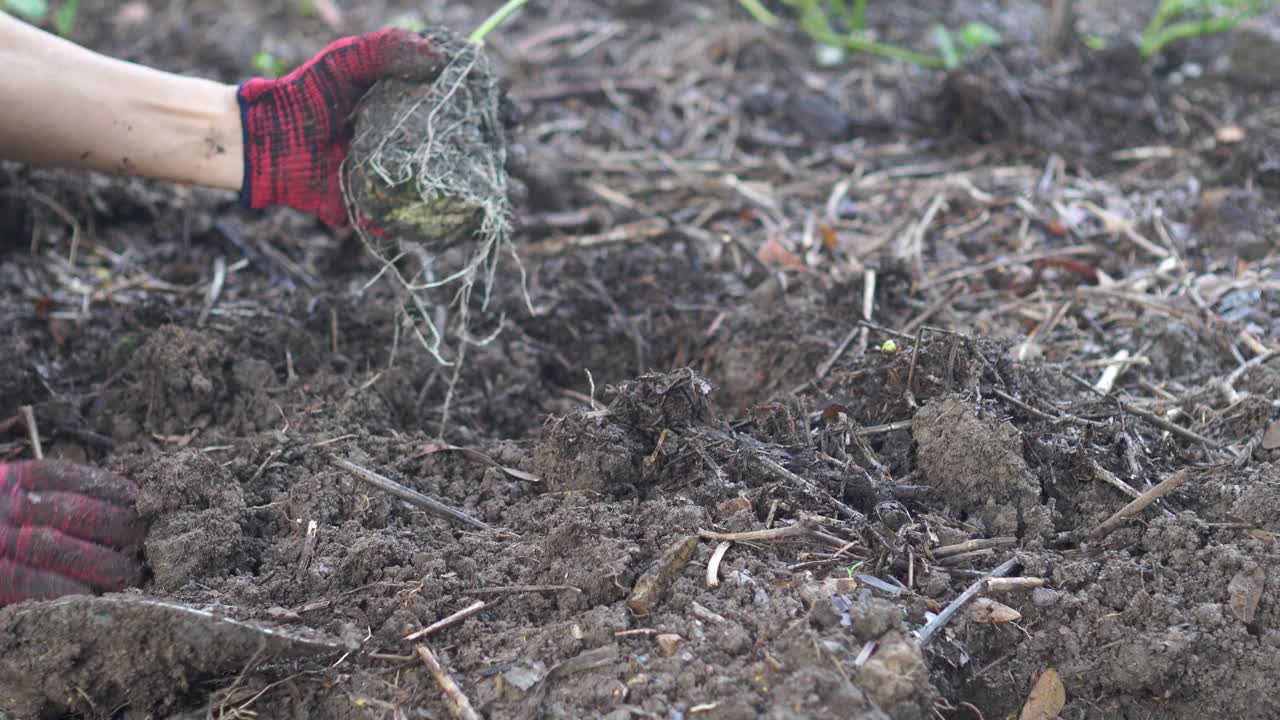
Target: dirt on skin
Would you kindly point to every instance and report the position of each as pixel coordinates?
(710, 213)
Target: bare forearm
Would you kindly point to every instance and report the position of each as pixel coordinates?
(62, 105)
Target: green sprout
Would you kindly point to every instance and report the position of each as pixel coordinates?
(819, 20)
(497, 18)
(849, 571)
(32, 10)
(1094, 42)
(37, 11)
(1176, 20)
(956, 47)
(64, 21)
(268, 64)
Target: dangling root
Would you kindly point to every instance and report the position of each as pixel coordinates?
(427, 167)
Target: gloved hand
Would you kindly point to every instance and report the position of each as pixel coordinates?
(65, 529)
(297, 129)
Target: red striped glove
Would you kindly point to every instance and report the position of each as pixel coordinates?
(65, 529)
(297, 129)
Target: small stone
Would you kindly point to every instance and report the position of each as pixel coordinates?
(1044, 597)
(668, 643)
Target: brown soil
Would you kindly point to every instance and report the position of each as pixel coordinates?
(709, 216)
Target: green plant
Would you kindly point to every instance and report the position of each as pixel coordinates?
(842, 24)
(64, 21)
(37, 11)
(494, 20)
(954, 47)
(1176, 20)
(33, 10)
(268, 64)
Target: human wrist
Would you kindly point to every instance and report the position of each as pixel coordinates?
(204, 123)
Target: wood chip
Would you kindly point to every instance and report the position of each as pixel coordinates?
(653, 583)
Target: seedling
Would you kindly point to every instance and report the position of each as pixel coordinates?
(955, 47)
(32, 10)
(497, 18)
(842, 25)
(37, 11)
(268, 64)
(64, 21)
(1176, 20)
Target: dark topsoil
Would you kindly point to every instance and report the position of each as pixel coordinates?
(708, 214)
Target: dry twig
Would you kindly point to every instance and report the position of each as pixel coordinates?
(459, 706)
(448, 620)
(942, 618)
(1156, 492)
(413, 497)
(33, 431)
(713, 565)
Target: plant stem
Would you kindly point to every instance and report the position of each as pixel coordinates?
(494, 20)
(860, 44)
(759, 12)
(1154, 41)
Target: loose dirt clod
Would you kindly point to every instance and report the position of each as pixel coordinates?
(130, 651)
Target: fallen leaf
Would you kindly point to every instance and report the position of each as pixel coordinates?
(986, 610)
(1271, 438)
(1047, 698)
(828, 234)
(1245, 592)
(773, 253)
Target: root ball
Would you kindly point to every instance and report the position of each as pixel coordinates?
(428, 162)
